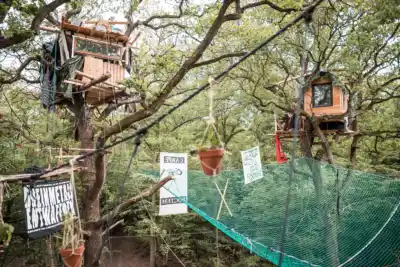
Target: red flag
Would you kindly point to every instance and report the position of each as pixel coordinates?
(280, 156)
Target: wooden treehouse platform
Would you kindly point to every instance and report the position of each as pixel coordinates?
(97, 90)
(94, 57)
(301, 133)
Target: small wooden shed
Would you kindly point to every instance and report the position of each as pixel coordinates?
(325, 96)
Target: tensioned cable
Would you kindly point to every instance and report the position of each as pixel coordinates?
(141, 132)
(297, 120)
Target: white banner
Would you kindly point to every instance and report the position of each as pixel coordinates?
(174, 164)
(252, 168)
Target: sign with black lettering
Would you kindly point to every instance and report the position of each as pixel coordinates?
(173, 193)
(46, 203)
(252, 168)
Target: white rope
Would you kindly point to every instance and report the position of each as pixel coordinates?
(210, 119)
(72, 162)
(250, 243)
(223, 201)
(374, 237)
(211, 95)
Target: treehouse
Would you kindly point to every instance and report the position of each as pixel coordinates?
(323, 98)
(87, 58)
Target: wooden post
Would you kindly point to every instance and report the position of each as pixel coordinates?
(49, 252)
(102, 78)
(1, 202)
(153, 244)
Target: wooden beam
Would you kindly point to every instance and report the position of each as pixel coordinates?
(73, 148)
(98, 55)
(80, 83)
(97, 41)
(108, 21)
(27, 176)
(49, 29)
(98, 80)
(92, 78)
(64, 45)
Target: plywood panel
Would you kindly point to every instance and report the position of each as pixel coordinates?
(338, 106)
(93, 67)
(116, 70)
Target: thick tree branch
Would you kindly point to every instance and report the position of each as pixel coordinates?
(173, 82)
(379, 49)
(271, 5)
(73, 12)
(17, 76)
(113, 106)
(34, 29)
(109, 217)
(133, 25)
(214, 60)
(18, 129)
(52, 20)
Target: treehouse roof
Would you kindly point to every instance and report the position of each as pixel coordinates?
(322, 74)
(100, 29)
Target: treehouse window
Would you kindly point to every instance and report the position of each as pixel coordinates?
(322, 95)
(83, 46)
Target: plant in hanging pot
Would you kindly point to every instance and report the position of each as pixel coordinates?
(72, 244)
(211, 154)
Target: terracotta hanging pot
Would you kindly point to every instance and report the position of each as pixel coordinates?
(73, 258)
(211, 160)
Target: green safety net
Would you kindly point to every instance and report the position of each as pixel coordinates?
(351, 219)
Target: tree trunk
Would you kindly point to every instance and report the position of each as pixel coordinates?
(330, 222)
(91, 204)
(353, 147)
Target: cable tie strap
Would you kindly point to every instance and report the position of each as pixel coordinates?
(137, 140)
(72, 162)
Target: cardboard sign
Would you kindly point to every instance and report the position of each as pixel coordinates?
(174, 164)
(46, 203)
(252, 167)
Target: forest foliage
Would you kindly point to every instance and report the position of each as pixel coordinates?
(356, 40)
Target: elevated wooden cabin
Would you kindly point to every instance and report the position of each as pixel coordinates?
(91, 58)
(324, 96)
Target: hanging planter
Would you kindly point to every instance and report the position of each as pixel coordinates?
(72, 244)
(211, 160)
(72, 258)
(211, 154)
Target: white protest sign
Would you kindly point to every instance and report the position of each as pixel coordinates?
(252, 167)
(46, 203)
(174, 164)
